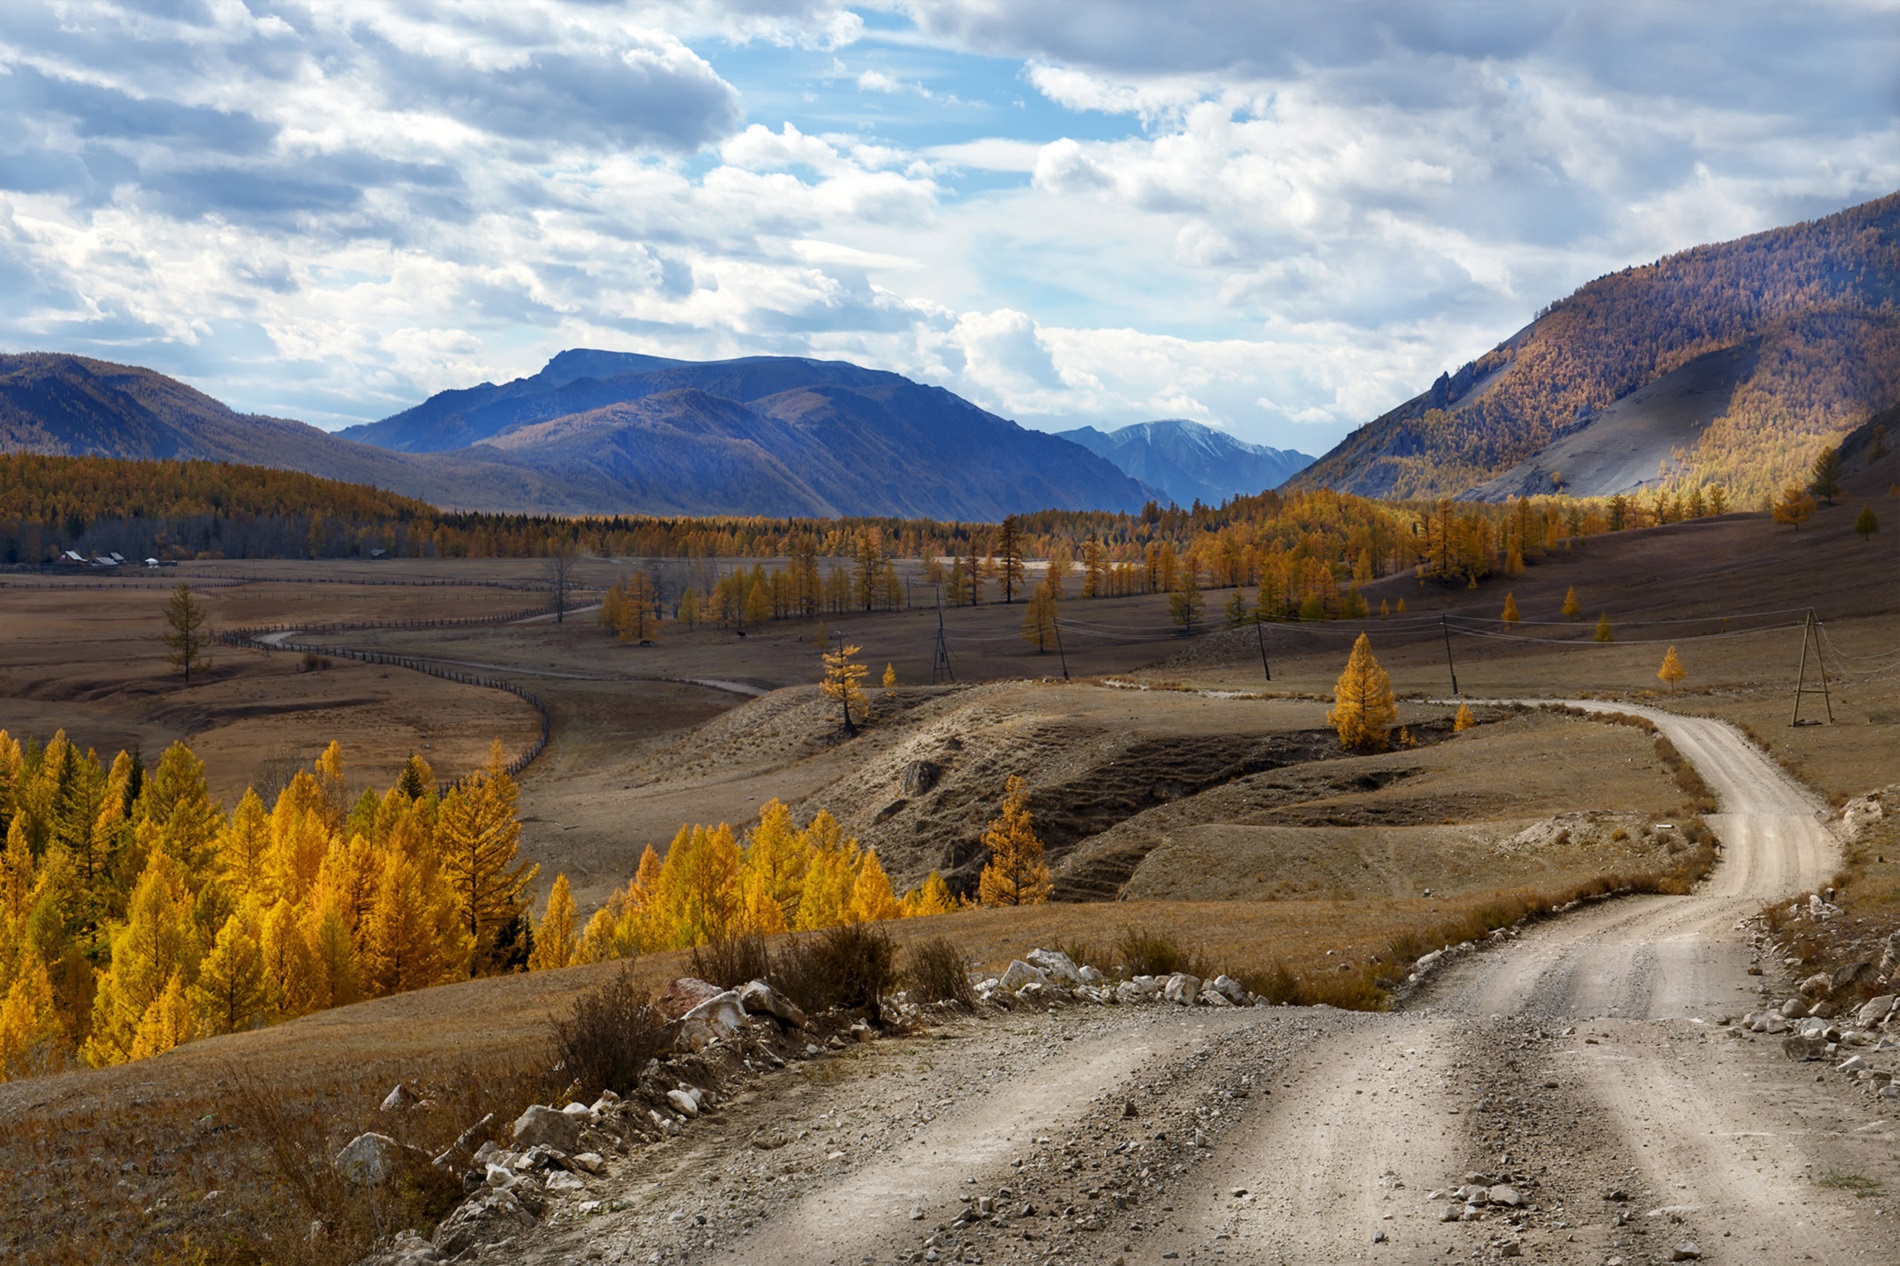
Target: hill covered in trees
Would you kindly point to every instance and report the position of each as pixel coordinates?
(1758, 353)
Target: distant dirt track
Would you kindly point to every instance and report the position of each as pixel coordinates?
(1580, 1063)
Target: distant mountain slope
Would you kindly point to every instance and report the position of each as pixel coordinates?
(761, 435)
(74, 406)
(1806, 315)
(1188, 462)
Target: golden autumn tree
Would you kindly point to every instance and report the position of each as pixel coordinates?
(1671, 670)
(933, 896)
(1363, 711)
(403, 945)
(1015, 874)
(478, 837)
(871, 897)
(1794, 506)
(1039, 619)
(1509, 615)
(31, 1035)
(1463, 721)
(1604, 633)
(844, 681)
(152, 949)
(554, 933)
(1572, 609)
(232, 991)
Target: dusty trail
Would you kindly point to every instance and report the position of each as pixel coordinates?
(1581, 1065)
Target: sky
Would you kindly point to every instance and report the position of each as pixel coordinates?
(1280, 219)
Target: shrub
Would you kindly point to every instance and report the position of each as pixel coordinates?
(1143, 952)
(610, 1035)
(934, 972)
(731, 961)
(850, 967)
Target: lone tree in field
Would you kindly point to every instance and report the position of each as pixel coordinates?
(1184, 600)
(1015, 874)
(189, 641)
(1510, 609)
(561, 560)
(1572, 610)
(844, 681)
(1039, 621)
(1463, 721)
(1603, 633)
(1794, 507)
(1363, 711)
(1866, 522)
(1671, 670)
(1009, 559)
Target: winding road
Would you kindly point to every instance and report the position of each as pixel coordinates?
(1583, 1065)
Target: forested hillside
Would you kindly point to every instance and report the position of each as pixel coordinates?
(1813, 304)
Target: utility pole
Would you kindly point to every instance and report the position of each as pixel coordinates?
(1261, 634)
(1811, 632)
(1059, 651)
(1446, 629)
(940, 662)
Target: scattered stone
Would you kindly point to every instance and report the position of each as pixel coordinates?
(1505, 1195)
(1819, 985)
(759, 998)
(1055, 965)
(1794, 1009)
(684, 1102)
(368, 1159)
(1230, 989)
(682, 995)
(1687, 1251)
(1798, 1046)
(1875, 1009)
(543, 1125)
(485, 1218)
(400, 1098)
(1182, 989)
(1019, 973)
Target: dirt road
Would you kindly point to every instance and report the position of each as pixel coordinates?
(1581, 1076)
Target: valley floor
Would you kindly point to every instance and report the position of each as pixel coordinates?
(1588, 1076)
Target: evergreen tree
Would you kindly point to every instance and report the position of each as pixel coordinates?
(402, 948)
(1363, 711)
(1671, 670)
(1572, 609)
(554, 937)
(1603, 633)
(1794, 507)
(1510, 609)
(188, 640)
(478, 835)
(1866, 523)
(871, 897)
(1015, 874)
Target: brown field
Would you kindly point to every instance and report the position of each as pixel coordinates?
(1168, 772)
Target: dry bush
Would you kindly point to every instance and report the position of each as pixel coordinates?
(1081, 952)
(934, 972)
(607, 1039)
(851, 968)
(731, 961)
(313, 663)
(1145, 952)
(1701, 797)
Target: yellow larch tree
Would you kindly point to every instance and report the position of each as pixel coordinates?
(844, 681)
(1603, 633)
(871, 897)
(403, 945)
(153, 948)
(933, 896)
(1463, 721)
(1572, 609)
(554, 932)
(1015, 874)
(1509, 615)
(478, 837)
(232, 992)
(31, 1035)
(1671, 670)
(1363, 711)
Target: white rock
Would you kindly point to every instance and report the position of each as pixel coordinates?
(562, 1181)
(542, 1124)
(683, 1103)
(1230, 989)
(368, 1159)
(580, 1112)
(1182, 988)
(1055, 965)
(399, 1098)
(719, 1016)
(1874, 1009)
(1020, 973)
(1092, 975)
(590, 1161)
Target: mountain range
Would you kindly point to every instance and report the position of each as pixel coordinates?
(1733, 363)
(1189, 462)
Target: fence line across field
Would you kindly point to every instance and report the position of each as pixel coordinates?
(253, 638)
